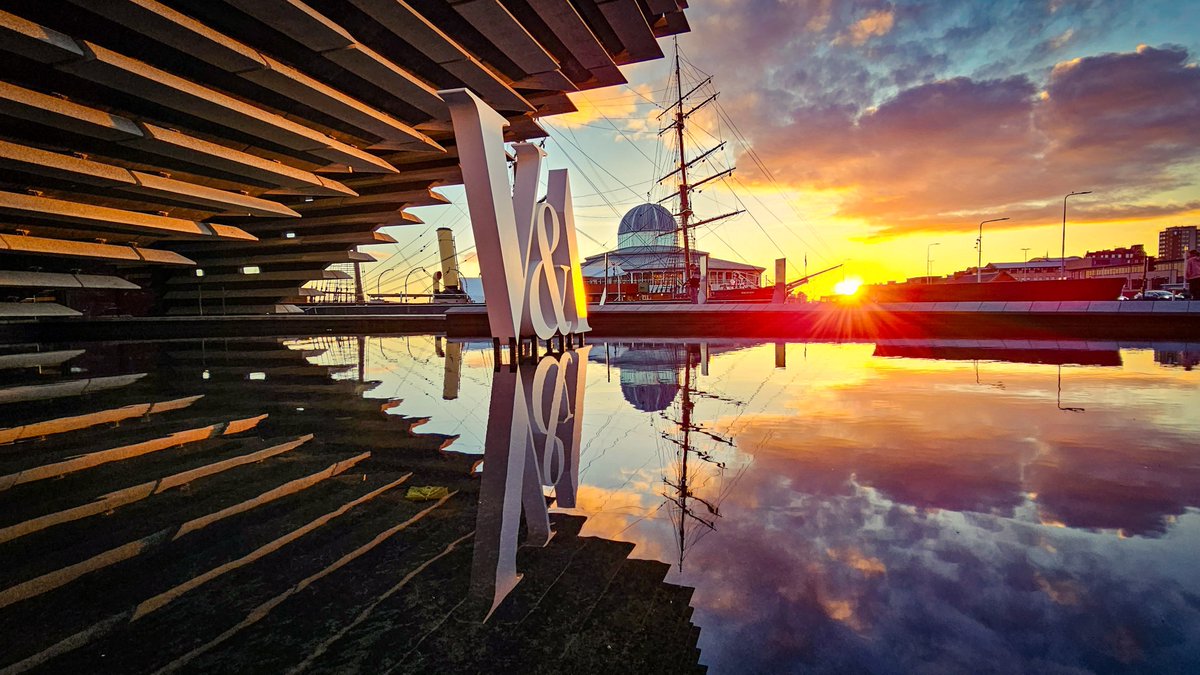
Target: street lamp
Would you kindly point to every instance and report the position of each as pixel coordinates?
(379, 278)
(1063, 256)
(979, 247)
(929, 261)
(1026, 252)
(406, 276)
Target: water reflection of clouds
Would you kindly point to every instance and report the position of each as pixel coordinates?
(982, 449)
(902, 514)
(893, 520)
(856, 582)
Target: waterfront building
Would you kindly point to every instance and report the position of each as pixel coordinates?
(1139, 270)
(648, 261)
(209, 157)
(1037, 269)
(1150, 274)
(1175, 242)
(1131, 255)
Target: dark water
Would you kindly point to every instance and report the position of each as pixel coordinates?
(909, 506)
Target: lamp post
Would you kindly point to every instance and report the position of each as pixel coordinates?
(1026, 252)
(929, 261)
(379, 278)
(979, 248)
(406, 276)
(1063, 256)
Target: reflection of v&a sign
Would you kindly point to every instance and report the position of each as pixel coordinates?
(532, 442)
(528, 257)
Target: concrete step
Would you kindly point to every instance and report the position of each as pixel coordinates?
(105, 599)
(320, 619)
(216, 614)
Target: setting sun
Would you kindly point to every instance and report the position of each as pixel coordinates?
(848, 286)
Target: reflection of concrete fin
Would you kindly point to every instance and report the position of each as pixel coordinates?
(532, 440)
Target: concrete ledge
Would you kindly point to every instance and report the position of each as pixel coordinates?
(1044, 306)
(1136, 307)
(71, 329)
(1150, 321)
(1176, 307)
(1073, 306)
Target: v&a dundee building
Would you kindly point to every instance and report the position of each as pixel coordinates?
(202, 156)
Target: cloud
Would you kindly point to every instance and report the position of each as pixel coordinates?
(875, 24)
(945, 154)
(921, 118)
(618, 110)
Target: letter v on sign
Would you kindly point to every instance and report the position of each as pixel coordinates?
(527, 251)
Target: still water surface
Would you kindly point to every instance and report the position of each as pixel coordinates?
(907, 506)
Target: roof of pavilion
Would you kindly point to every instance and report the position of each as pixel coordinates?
(640, 258)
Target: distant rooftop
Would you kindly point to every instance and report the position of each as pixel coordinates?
(1035, 263)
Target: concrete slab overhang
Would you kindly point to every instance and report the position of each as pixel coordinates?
(133, 124)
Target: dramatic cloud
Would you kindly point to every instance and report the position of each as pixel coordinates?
(941, 154)
(923, 119)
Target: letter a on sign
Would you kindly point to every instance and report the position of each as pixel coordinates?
(528, 256)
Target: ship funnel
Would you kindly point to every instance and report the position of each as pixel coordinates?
(449, 258)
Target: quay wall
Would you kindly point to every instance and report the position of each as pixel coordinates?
(1129, 320)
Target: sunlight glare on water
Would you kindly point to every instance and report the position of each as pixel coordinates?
(893, 506)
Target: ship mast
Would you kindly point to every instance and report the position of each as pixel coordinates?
(691, 284)
(685, 209)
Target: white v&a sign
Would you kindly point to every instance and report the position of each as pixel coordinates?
(528, 257)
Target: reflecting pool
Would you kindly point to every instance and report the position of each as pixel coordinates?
(405, 504)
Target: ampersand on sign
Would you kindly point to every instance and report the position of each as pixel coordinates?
(528, 255)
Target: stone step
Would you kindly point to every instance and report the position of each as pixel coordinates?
(187, 424)
(555, 601)
(396, 627)
(36, 498)
(615, 632)
(215, 615)
(309, 624)
(81, 533)
(106, 598)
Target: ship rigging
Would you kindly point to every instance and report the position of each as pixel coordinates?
(691, 273)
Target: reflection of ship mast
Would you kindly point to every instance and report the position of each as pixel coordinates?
(683, 493)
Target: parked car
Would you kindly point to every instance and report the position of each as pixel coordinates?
(1155, 295)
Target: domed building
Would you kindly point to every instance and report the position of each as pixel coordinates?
(648, 261)
(647, 226)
